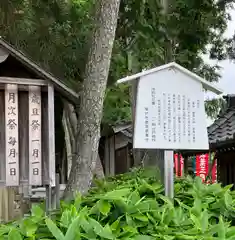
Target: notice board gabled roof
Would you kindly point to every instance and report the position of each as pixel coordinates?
(37, 70)
(207, 85)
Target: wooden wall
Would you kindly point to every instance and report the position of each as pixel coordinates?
(24, 137)
(11, 204)
(226, 167)
(116, 155)
(7, 196)
(122, 160)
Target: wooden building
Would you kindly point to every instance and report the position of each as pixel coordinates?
(222, 141)
(116, 149)
(32, 139)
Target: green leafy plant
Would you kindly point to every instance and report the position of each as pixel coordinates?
(132, 206)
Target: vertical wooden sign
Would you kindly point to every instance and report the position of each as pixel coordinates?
(51, 135)
(35, 149)
(12, 135)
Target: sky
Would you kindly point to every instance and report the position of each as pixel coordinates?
(227, 81)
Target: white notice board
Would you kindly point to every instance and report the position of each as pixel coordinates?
(170, 112)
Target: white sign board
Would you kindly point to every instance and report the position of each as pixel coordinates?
(12, 135)
(35, 142)
(170, 112)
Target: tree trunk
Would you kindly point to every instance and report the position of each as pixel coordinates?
(155, 157)
(92, 97)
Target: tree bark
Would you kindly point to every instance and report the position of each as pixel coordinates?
(92, 97)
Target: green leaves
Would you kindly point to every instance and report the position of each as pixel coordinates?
(132, 207)
(14, 234)
(56, 35)
(104, 207)
(56, 232)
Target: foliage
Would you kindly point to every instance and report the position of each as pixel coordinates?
(56, 35)
(132, 206)
(214, 106)
(117, 106)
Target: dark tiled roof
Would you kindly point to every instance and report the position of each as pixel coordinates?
(124, 128)
(222, 130)
(127, 132)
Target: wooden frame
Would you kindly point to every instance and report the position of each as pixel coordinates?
(35, 136)
(23, 81)
(51, 135)
(49, 141)
(12, 135)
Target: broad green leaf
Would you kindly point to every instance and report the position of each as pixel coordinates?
(140, 217)
(96, 226)
(129, 220)
(28, 227)
(221, 229)
(37, 211)
(230, 233)
(115, 224)
(228, 187)
(198, 183)
(130, 229)
(77, 201)
(204, 221)
(143, 237)
(228, 199)
(65, 219)
(197, 207)
(105, 232)
(4, 229)
(85, 225)
(74, 212)
(104, 207)
(167, 201)
(14, 234)
(196, 221)
(116, 194)
(134, 197)
(54, 229)
(73, 230)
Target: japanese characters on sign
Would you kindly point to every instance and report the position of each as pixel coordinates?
(179, 165)
(202, 166)
(35, 155)
(170, 112)
(12, 135)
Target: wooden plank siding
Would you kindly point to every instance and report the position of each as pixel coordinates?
(24, 138)
(2, 137)
(7, 197)
(8, 194)
(226, 168)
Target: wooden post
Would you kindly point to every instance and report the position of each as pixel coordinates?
(112, 156)
(48, 199)
(136, 152)
(169, 173)
(12, 135)
(57, 190)
(106, 157)
(35, 142)
(186, 165)
(51, 135)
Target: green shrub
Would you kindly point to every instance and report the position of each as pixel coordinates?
(133, 207)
